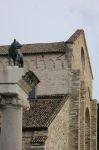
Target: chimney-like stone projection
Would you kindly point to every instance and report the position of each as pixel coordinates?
(15, 85)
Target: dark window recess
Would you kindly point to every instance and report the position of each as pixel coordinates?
(32, 94)
(83, 58)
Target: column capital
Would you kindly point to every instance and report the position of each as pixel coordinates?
(12, 100)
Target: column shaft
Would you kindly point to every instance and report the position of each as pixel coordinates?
(11, 131)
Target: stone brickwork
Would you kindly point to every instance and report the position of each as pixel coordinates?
(77, 60)
(93, 137)
(74, 111)
(58, 131)
(82, 115)
(87, 107)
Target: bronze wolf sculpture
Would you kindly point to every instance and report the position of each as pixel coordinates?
(15, 54)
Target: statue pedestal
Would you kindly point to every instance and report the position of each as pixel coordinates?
(13, 98)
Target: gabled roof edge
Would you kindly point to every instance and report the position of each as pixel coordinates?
(74, 37)
(65, 98)
(88, 54)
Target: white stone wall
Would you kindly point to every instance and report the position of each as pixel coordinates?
(52, 71)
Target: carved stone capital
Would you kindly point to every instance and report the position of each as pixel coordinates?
(12, 99)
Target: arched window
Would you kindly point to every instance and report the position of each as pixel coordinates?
(83, 59)
(87, 130)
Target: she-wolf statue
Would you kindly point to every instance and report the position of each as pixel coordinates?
(15, 54)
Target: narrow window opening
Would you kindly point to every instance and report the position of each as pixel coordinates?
(83, 59)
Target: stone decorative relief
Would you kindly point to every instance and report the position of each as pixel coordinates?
(33, 63)
(41, 62)
(51, 64)
(7, 100)
(60, 62)
(44, 62)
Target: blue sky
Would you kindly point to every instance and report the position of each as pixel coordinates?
(33, 21)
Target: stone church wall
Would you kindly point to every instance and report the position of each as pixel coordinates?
(52, 71)
(58, 131)
(80, 61)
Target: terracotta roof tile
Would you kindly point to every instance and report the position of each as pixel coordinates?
(38, 139)
(42, 112)
(37, 48)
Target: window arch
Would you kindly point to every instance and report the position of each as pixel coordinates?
(83, 59)
(87, 130)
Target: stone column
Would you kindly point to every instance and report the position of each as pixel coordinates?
(11, 131)
(13, 98)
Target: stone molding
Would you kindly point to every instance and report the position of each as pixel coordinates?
(7, 100)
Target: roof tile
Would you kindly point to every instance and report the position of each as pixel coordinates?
(42, 112)
(37, 48)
